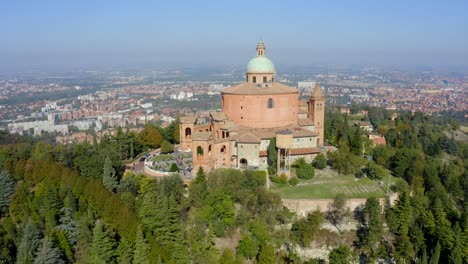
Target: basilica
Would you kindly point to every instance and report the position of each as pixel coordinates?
(254, 114)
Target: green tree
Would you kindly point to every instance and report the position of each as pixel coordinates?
(151, 137)
(266, 255)
(142, 249)
(272, 153)
(338, 211)
(456, 254)
(166, 147)
(320, 162)
(304, 170)
(370, 230)
(109, 179)
(435, 256)
(29, 242)
(198, 189)
(227, 257)
(104, 245)
(303, 230)
(68, 225)
(125, 251)
(7, 188)
(355, 143)
(248, 246)
(340, 255)
(47, 254)
(174, 168)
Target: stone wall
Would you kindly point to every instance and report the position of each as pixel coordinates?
(303, 206)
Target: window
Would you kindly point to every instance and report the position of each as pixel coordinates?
(188, 133)
(199, 151)
(264, 79)
(254, 79)
(242, 107)
(270, 103)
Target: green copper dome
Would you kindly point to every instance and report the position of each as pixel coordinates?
(260, 64)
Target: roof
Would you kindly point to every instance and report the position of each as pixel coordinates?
(188, 119)
(318, 94)
(379, 141)
(253, 89)
(248, 138)
(205, 135)
(303, 151)
(218, 116)
(284, 132)
(260, 64)
(301, 132)
(305, 122)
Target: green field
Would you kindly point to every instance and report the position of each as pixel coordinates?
(327, 184)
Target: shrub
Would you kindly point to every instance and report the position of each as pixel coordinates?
(271, 170)
(282, 179)
(293, 181)
(174, 168)
(320, 162)
(304, 170)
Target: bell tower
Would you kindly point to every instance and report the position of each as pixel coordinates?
(317, 111)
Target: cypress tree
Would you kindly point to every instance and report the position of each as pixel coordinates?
(109, 179)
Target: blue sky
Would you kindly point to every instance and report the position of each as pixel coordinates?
(177, 33)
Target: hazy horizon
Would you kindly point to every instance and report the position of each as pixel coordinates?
(63, 34)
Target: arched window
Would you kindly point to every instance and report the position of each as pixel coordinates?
(199, 151)
(209, 150)
(223, 149)
(188, 133)
(270, 103)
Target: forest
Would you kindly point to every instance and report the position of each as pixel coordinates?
(74, 203)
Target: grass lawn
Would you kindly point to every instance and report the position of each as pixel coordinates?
(328, 183)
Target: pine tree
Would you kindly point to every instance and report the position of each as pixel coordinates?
(142, 248)
(372, 229)
(198, 189)
(125, 251)
(50, 204)
(355, 143)
(435, 254)
(456, 254)
(402, 212)
(109, 179)
(68, 225)
(104, 245)
(29, 242)
(340, 255)
(48, 254)
(7, 188)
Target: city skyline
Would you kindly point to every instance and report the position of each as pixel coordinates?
(55, 34)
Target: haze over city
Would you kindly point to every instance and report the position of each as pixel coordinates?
(67, 35)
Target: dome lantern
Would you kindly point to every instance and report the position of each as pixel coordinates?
(260, 69)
